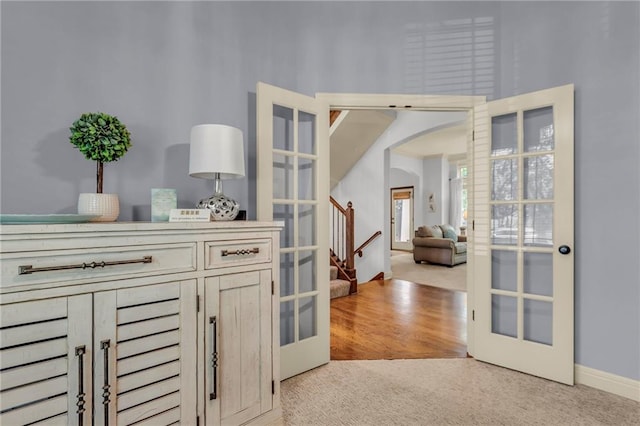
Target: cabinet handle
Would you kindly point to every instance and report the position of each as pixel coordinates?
(28, 269)
(106, 387)
(80, 351)
(240, 252)
(213, 324)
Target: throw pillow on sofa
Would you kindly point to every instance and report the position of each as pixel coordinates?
(424, 231)
(436, 232)
(449, 232)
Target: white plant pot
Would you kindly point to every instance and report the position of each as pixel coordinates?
(106, 206)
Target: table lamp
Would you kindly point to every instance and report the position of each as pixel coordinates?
(217, 152)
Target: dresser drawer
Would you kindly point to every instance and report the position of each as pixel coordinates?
(97, 264)
(219, 254)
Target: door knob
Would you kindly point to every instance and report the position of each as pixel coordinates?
(564, 249)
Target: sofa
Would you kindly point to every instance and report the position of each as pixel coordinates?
(439, 244)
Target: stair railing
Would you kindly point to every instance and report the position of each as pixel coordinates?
(342, 250)
(375, 235)
(341, 237)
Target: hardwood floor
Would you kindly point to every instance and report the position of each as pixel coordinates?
(396, 319)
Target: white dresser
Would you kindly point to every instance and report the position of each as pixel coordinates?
(146, 323)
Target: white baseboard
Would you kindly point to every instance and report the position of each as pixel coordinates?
(607, 382)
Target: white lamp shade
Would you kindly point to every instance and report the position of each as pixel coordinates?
(216, 148)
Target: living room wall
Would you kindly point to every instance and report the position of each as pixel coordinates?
(436, 183)
(163, 67)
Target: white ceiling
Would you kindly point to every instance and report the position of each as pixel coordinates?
(351, 136)
(449, 141)
(354, 131)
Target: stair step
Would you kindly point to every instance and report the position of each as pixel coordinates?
(339, 288)
(333, 272)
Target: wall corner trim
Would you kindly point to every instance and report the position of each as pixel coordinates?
(612, 383)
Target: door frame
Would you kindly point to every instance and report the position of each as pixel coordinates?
(435, 103)
(412, 211)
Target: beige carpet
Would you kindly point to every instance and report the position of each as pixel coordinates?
(443, 392)
(404, 268)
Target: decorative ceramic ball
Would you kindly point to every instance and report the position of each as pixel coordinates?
(221, 207)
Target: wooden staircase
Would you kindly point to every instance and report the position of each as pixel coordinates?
(342, 252)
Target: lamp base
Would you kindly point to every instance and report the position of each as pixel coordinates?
(220, 206)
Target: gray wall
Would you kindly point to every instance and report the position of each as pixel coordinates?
(164, 67)
(435, 171)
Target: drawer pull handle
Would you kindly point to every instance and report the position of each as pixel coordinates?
(213, 322)
(80, 401)
(106, 387)
(28, 269)
(240, 252)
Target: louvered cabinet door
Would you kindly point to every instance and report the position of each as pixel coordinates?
(238, 347)
(45, 362)
(145, 358)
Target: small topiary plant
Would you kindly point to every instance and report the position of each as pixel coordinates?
(101, 138)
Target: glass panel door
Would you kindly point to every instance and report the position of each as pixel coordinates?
(525, 306)
(293, 189)
(402, 218)
(522, 160)
(294, 203)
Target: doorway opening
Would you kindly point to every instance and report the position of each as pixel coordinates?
(401, 218)
(408, 203)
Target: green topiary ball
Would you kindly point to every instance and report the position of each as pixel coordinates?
(100, 137)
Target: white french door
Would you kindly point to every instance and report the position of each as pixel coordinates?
(520, 260)
(401, 218)
(523, 236)
(293, 187)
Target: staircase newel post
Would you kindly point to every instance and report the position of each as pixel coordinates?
(350, 246)
(350, 237)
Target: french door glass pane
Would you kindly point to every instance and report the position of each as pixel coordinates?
(287, 284)
(504, 270)
(306, 133)
(295, 180)
(538, 225)
(538, 321)
(538, 177)
(307, 225)
(287, 322)
(504, 315)
(307, 266)
(306, 179)
(504, 134)
(308, 314)
(538, 129)
(504, 224)
(538, 273)
(282, 176)
(504, 179)
(282, 128)
(284, 213)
